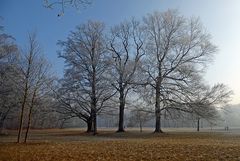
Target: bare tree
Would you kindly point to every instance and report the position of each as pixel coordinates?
(177, 48)
(198, 99)
(206, 102)
(140, 115)
(26, 70)
(8, 89)
(71, 104)
(65, 3)
(126, 46)
(40, 86)
(33, 71)
(85, 54)
(43, 114)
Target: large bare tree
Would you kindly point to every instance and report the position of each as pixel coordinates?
(177, 48)
(87, 62)
(126, 46)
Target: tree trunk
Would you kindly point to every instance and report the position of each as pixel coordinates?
(30, 114)
(94, 123)
(89, 125)
(121, 112)
(1, 125)
(21, 116)
(94, 115)
(3, 118)
(140, 125)
(198, 124)
(90, 122)
(28, 124)
(93, 97)
(158, 109)
(62, 123)
(158, 122)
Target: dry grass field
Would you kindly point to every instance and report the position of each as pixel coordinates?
(74, 144)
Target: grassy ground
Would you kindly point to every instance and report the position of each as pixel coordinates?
(74, 144)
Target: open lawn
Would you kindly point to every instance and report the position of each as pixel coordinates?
(75, 144)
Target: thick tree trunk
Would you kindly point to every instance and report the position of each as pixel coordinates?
(121, 112)
(93, 98)
(94, 123)
(94, 115)
(158, 122)
(89, 125)
(198, 124)
(1, 125)
(158, 109)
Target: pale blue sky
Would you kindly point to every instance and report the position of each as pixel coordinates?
(220, 17)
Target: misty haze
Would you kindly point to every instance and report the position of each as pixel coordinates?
(108, 80)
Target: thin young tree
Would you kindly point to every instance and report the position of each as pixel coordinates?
(26, 72)
(32, 73)
(140, 115)
(40, 86)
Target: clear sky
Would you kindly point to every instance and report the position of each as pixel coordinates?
(220, 17)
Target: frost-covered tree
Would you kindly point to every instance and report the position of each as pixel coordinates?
(177, 49)
(34, 78)
(85, 89)
(125, 44)
(8, 77)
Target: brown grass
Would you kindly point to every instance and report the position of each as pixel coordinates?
(107, 145)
